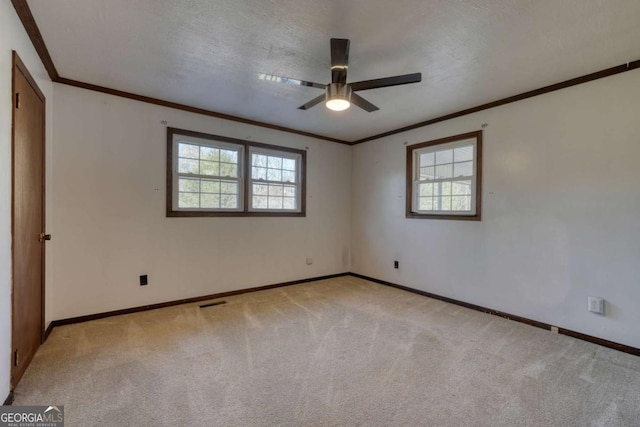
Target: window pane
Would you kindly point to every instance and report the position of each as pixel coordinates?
(289, 203)
(444, 171)
(463, 169)
(209, 176)
(428, 172)
(275, 162)
(274, 174)
(425, 189)
(209, 168)
(275, 202)
(188, 166)
(228, 187)
(209, 153)
(259, 160)
(209, 201)
(460, 188)
(228, 201)
(442, 177)
(259, 202)
(260, 189)
(444, 156)
(425, 203)
(442, 203)
(289, 164)
(189, 185)
(188, 200)
(427, 159)
(227, 169)
(258, 173)
(229, 156)
(461, 203)
(463, 154)
(210, 186)
(275, 190)
(288, 176)
(187, 150)
(441, 188)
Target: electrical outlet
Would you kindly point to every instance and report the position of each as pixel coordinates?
(396, 264)
(144, 280)
(595, 305)
(309, 260)
(554, 329)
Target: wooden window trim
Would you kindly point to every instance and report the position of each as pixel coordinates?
(295, 156)
(246, 166)
(409, 177)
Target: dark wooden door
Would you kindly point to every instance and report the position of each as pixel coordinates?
(28, 219)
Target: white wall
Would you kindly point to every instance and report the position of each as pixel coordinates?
(560, 215)
(560, 210)
(14, 37)
(109, 212)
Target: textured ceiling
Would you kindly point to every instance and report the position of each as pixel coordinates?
(209, 53)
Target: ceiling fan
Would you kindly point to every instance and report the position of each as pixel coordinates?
(339, 94)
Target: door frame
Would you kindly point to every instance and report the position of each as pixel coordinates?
(19, 67)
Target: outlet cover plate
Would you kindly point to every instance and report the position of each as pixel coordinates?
(595, 305)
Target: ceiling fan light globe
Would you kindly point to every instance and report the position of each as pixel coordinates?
(337, 104)
(338, 96)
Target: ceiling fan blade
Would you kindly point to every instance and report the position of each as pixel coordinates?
(339, 60)
(315, 101)
(289, 81)
(363, 103)
(386, 82)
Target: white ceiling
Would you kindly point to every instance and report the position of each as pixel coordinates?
(208, 53)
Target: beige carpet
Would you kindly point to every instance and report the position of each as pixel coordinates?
(331, 353)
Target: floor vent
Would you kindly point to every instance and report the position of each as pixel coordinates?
(212, 304)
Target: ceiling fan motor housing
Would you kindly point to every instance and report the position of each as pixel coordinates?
(339, 95)
(338, 91)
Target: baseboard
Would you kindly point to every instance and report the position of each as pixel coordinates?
(600, 341)
(96, 316)
(47, 332)
(9, 400)
(595, 340)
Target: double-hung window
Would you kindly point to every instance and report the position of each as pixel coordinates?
(444, 178)
(275, 178)
(209, 175)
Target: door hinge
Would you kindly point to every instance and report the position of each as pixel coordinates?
(15, 358)
(17, 100)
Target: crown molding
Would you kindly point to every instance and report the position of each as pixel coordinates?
(29, 23)
(530, 94)
(183, 107)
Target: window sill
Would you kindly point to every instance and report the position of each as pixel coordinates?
(414, 215)
(191, 214)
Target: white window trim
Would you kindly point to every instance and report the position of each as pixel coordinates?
(214, 144)
(299, 174)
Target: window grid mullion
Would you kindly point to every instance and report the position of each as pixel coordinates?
(209, 177)
(457, 178)
(202, 189)
(214, 178)
(264, 181)
(273, 183)
(436, 195)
